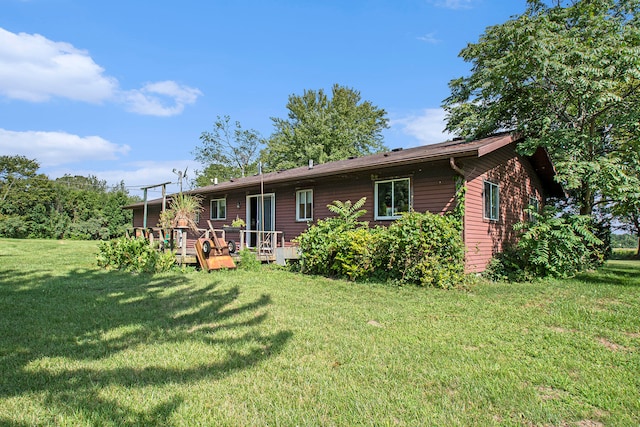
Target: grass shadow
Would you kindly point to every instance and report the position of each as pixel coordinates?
(614, 272)
(58, 331)
(625, 254)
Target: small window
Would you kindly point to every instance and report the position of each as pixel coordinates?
(491, 201)
(304, 203)
(219, 209)
(392, 198)
(534, 204)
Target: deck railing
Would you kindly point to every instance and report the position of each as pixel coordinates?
(265, 245)
(266, 241)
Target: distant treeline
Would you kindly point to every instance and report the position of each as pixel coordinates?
(70, 207)
(624, 241)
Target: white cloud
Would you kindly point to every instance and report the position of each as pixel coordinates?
(153, 98)
(36, 69)
(429, 38)
(33, 68)
(427, 127)
(453, 4)
(58, 148)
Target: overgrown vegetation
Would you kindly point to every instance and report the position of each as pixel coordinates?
(134, 255)
(248, 260)
(419, 248)
(424, 249)
(552, 245)
(70, 207)
(563, 74)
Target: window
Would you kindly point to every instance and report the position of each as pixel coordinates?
(304, 203)
(534, 204)
(491, 201)
(219, 209)
(392, 197)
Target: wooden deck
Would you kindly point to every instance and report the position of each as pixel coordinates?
(270, 246)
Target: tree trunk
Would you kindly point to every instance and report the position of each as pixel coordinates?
(636, 223)
(586, 199)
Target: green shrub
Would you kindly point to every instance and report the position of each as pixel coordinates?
(356, 253)
(13, 227)
(318, 246)
(248, 260)
(550, 245)
(165, 261)
(91, 229)
(323, 245)
(134, 255)
(424, 249)
(507, 266)
(629, 241)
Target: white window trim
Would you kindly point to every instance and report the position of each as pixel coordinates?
(218, 208)
(379, 217)
(484, 200)
(298, 217)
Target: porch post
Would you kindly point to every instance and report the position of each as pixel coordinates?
(144, 216)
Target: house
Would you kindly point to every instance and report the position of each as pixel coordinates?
(500, 185)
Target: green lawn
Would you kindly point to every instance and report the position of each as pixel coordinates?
(83, 346)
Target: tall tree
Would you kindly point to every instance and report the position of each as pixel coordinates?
(13, 170)
(565, 76)
(626, 206)
(77, 207)
(323, 129)
(227, 151)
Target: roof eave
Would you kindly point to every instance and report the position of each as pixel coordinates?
(386, 160)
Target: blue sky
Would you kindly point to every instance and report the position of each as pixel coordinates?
(123, 89)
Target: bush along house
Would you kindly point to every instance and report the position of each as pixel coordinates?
(277, 206)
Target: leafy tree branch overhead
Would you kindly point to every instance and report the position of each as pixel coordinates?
(567, 76)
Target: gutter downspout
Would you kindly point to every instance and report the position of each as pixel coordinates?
(456, 168)
(460, 172)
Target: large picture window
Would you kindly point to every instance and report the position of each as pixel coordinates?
(491, 201)
(219, 209)
(392, 197)
(304, 203)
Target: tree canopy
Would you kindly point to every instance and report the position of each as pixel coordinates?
(567, 77)
(74, 207)
(227, 151)
(325, 128)
(14, 170)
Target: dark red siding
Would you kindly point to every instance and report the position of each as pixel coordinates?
(432, 186)
(432, 189)
(518, 181)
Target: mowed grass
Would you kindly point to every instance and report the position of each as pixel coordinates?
(84, 346)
